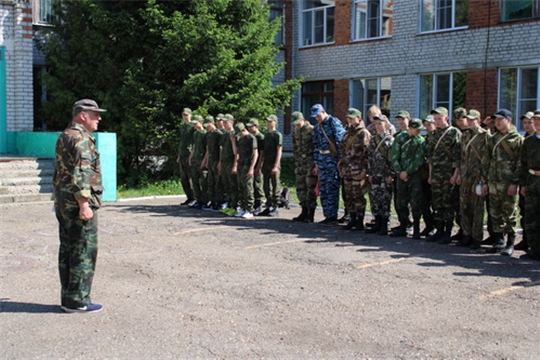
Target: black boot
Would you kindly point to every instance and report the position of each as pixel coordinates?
(384, 226)
(475, 244)
(438, 234)
(376, 227)
(360, 221)
(302, 215)
(352, 223)
(466, 241)
(523, 244)
(510, 241)
(446, 238)
(310, 217)
(427, 230)
(458, 236)
(416, 229)
(498, 243)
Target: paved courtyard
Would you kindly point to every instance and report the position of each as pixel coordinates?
(183, 283)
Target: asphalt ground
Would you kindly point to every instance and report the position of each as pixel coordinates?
(179, 283)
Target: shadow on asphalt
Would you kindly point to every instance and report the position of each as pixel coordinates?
(7, 306)
(472, 262)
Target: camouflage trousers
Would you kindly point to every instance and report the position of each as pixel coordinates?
(456, 194)
(271, 186)
(76, 256)
(472, 209)
(185, 174)
(409, 193)
(427, 214)
(380, 196)
(532, 209)
(503, 208)
(258, 190)
(305, 188)
(443, 202)
(230, 184)
(245, 188)
(199, 183)
(213, 183)
(329, 184)
(355, 195)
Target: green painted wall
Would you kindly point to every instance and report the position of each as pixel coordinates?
(41, 144)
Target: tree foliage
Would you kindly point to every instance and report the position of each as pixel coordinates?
(144, 61)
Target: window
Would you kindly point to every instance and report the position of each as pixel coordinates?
(319, 92)
(43, 11)
(318, 22)
(372, 18)
(518, 91)
(519, 9)
(443, 14)
(368, 92)
(446, 90)
(276, 10)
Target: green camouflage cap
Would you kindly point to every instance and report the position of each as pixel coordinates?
(239, 127)
(416, 124)
(296, 117)
(352, 113)
(196, 119)
(186, 111)
(228, 117)
(440, 110)
(271, 118)
(429, 119)
(208, 120)
(460, 113)
(381, 117)
(527, 115)
(536, 113)
(252, 122)
(473, 114)
(219, 117)
(86, 105)
(403, 114)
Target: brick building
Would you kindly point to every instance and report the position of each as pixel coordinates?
(414, 54)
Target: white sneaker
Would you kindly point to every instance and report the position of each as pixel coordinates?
(240, 213)
(192, 203)
(257, 211)
(247, 215)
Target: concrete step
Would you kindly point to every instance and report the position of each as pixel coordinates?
(25, 164)
(18, 198)
(28, 189)
(20, 181)
(28, 173)
(25, 179)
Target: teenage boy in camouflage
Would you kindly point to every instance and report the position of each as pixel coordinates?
(443, 158)
(211, 161)
(253, 128)
(503, 180)
(304, 167)
(381, 174)
(273, 147)
(460, 122)
(185, 134)
(474, 154)
(226, 162)
(246, 158)
(353, 167)
(198, 171)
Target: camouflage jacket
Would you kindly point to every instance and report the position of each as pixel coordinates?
(530, 157)
(213, 139)
(354, 149)
(408, 153)
(334, 130)
(77, 166)
(474, 154)
(302, 144)
(505, 154)
(444, 147)
(379, 164)
(185, 134)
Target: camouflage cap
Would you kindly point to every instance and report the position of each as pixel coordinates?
(440, 110)
(86, 105)
(353, 113)
(252, 122)
(296, 117)
(208, 120)
(196, 119)
(228, 117)
(502, 113)
(381, 117)
(403, 114)
(316, 110)
(429, 119)
(416, 124)
(186, 111)
(460, 113)
(473, 114)
(239, 127)
(527, 115)
(536, 113)
(271, 117)
(219, 117)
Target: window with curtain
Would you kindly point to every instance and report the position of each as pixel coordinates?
(443, 14)
(317, 22)
(518, 91)
(443, 89)
(372, 19)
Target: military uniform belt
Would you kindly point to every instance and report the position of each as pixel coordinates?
(534, 172)
(324, 152)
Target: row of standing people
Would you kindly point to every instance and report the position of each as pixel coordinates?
(451, 173)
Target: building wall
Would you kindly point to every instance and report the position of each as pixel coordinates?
(16, 39)
(480, 50)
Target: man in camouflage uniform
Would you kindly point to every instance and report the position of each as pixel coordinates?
(304, 167)
(185, 146)
(443, 158)
(246, 155)
(381, 174)
(271, 166)
(427, 214)
(460, 122)
(353, 167)
(327, 134)
(226, 162)
(253, 128)
(503, 179)
(530, 181)
(210, 162)
(474, 154)
(77, 197)
(198, 172)
(408, 155)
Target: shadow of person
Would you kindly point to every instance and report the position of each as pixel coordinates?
(8, 306)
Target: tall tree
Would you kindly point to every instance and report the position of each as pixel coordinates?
(145, 61)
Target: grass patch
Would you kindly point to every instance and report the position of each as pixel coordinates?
(147, 188)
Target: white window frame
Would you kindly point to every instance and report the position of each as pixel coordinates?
(535, 11)
(517, 107)
(436, 27)
(307, 40)
(435, 101)
(364, 103)
(41, 9)
(380, 20)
